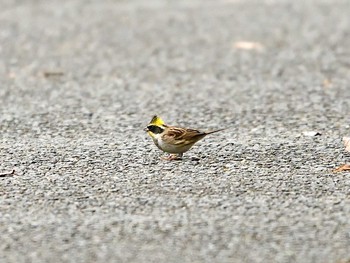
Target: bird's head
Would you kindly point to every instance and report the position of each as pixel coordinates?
(156, 126)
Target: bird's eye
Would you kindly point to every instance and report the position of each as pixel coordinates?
(155, 129)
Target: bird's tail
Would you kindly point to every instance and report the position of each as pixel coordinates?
(215, 131)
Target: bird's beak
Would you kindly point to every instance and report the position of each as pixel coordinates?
(145, 129)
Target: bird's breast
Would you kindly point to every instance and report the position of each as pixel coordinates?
(172, 148)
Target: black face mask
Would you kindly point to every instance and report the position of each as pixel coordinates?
(155, 129)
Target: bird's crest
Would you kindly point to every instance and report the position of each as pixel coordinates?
(157, 121)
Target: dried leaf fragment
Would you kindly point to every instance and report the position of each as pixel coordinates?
(344, 167)
(48, 74)
(327, 83)
(247, 45)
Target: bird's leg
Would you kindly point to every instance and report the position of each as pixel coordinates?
(167, 158)
(173, 157)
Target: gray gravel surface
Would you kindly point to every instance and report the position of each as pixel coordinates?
(79, 81)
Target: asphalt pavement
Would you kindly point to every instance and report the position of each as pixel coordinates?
(79, 80)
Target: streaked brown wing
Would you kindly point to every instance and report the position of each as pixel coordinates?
(175, 135)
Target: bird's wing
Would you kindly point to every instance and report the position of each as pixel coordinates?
(175, 135)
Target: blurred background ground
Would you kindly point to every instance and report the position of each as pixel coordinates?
(79, 81)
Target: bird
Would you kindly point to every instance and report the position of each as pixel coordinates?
(172, 139)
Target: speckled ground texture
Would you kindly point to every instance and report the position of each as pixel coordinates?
(80, 80)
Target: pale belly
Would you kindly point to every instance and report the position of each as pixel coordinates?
(172, 148)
